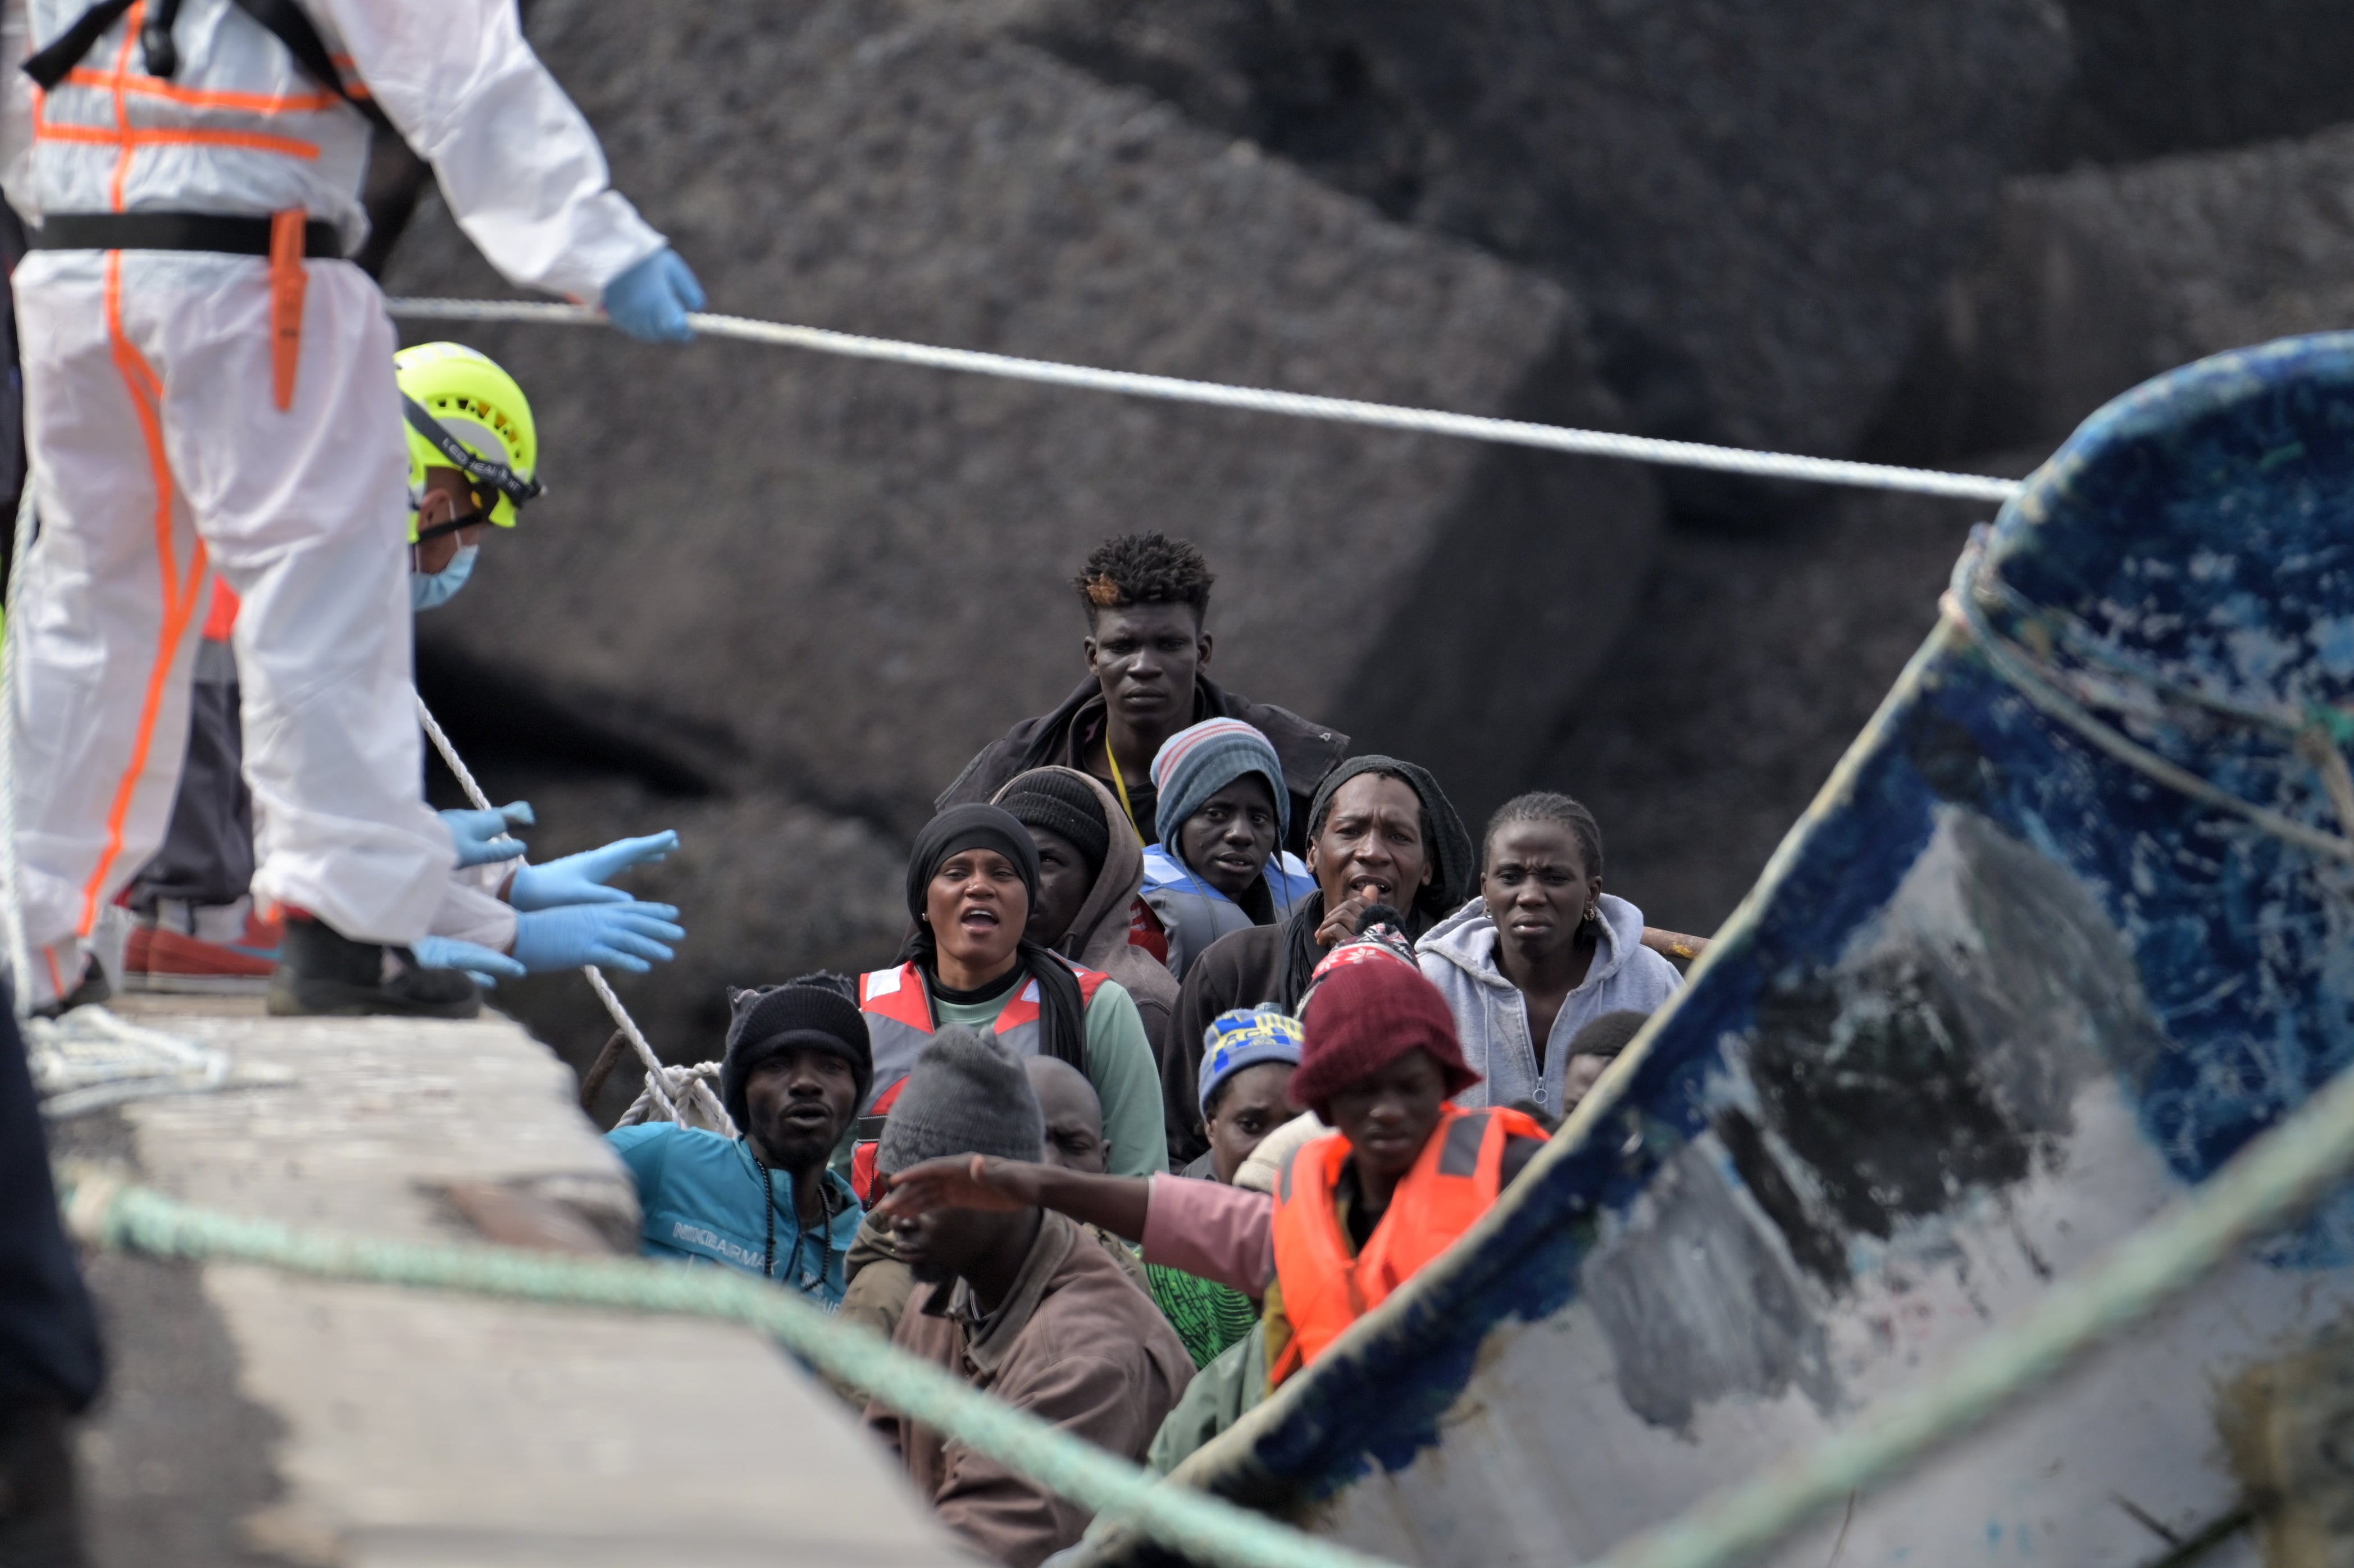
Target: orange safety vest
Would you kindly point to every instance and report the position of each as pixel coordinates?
(899, 1026)
(1455, 1179)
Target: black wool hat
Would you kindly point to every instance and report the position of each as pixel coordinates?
(815, 1013)
(1060, 801)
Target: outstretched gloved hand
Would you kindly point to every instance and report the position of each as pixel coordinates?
(582, 878)
(481, 836)
(488, 966)
(615, 935)
(649, 302)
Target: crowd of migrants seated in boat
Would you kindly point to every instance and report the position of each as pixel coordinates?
(1165, 942)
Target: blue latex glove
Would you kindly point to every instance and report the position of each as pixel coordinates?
(481, 836)
(582, 878)
(650, 301)
(615, 935)
(487, 965)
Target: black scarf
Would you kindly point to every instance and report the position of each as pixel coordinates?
(1061, 1014)
(1445, 840)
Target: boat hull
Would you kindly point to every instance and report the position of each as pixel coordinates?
(2000, 998)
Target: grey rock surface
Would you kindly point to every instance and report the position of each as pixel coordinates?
(2095, 279)
(1756, 202)
(836, 580)
(1752, 662)
(810, 588)
(2157, 77)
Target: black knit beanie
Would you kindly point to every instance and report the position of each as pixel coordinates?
(1057, 801)
(815, 1013)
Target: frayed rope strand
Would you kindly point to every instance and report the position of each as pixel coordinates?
(1259, 401)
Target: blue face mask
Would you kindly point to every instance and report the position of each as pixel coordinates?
(429, 590)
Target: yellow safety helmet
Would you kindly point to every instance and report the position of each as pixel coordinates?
(466, 413)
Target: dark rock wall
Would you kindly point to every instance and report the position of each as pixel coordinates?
(776, 599)
(1756, 201)
(804, 589)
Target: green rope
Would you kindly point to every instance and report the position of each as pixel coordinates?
(103, 1211)
(2266, 1185)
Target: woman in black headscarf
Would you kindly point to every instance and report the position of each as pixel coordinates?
(1380, 832)
(971, 879)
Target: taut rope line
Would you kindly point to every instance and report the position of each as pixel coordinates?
(1259, 401)
(658, 1076)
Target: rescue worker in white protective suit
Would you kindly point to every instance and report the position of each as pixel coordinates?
(200, 399)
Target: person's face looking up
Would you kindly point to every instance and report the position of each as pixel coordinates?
(1145, 657)
(1369, 847)
(1062, 886)
(1387, 1116)
(977, 908)
(448, 496)
(1228, 840)
(1247, 1107)
(1536, 888)
(1074, 1134)
(800, 1103)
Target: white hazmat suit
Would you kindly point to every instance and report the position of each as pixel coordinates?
(160, 454)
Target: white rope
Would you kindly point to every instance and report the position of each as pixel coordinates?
(1259, 401)
(91, 1059)
(658, 1077)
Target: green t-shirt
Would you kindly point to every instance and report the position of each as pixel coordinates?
(1118, 1063)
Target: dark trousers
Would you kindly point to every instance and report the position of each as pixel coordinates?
(208, 854)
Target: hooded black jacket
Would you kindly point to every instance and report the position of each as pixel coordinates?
(1307, 750)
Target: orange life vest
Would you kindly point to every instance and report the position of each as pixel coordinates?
(899, 1026)
(1455, 1179)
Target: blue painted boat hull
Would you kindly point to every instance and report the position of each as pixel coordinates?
(1998, 999)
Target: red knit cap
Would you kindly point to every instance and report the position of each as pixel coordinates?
(1365, 1016)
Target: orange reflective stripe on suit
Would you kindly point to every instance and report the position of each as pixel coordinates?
(1325, 1285)
(178, 594)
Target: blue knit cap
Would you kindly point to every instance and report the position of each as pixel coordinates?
(1244, 1037)
(1202, 759)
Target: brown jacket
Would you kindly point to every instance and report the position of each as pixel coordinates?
(1075, 1344)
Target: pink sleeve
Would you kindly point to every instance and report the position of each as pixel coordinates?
(1223, 1234)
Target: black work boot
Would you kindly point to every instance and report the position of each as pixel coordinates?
(323, 974)
(93, 989)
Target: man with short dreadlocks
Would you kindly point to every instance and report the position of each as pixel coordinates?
(1146, 653)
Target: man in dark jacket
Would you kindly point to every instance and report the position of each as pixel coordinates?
(1146, 597)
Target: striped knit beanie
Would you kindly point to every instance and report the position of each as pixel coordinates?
(1202, 759)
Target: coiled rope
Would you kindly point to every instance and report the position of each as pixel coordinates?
(1258, 400)
(676, 1093)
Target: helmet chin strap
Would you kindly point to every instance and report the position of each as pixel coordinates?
(455, 525)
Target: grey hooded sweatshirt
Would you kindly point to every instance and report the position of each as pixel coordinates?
(1458, 957)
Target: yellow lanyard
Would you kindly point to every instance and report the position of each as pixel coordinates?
(1118, 783)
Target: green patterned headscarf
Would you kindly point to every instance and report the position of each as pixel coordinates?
(1208, 1317)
